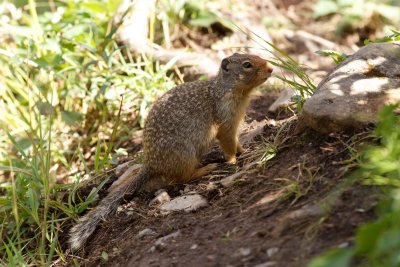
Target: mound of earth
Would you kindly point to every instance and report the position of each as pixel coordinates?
(282, 210)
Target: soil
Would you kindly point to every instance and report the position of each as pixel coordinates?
(282, 212)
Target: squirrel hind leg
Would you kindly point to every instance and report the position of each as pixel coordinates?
(202, 171)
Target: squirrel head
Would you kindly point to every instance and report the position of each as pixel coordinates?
(242, 72)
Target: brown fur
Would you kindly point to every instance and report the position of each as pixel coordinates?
(180, 128)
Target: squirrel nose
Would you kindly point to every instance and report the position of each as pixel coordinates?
(270, 70)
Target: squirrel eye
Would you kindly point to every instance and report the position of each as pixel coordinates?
(247, 65)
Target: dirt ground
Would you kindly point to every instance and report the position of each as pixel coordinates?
(280, 213)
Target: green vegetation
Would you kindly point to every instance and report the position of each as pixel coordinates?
(336, 56)
(66, 86)
(359, 13)
(300, 81)
(377, 243)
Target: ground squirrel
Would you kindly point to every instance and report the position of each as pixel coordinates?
(180, 128)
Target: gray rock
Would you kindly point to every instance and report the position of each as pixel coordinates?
(344, 245)
(272, 251)
(146, 232)
(296, 217)
(186, 203)
(163, 240)
(244, 252)
(284, 100)
(231, 179)
(161, 198)
(267, 264)
(351, 95)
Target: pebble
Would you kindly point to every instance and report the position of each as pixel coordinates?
(146, 232)
(231, 179)
(344, 245)
(272, 251)
(245, 252)
(161, 243)
(162, 240)
(161, 198)
(185, 203)
(266, 264)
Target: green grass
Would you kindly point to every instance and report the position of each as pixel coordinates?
(66, 87)
(299, 80)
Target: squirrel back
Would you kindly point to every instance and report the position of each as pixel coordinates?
(180, 128)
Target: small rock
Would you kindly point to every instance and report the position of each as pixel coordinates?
(162, 240)
(161, 198)
(159, 191)
(344, 245)
(211, 257)
(272, 251)
(230, 180)
(284, 100)
(295, 217)
(186, 189)
(267, 264)
(244, 251)
(211, 186)
(146, 232)
(194, 246)
(186, 203)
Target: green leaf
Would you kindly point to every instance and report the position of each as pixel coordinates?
(73, 31)
(204, 21)
(367, 237)
(343, 3)
(333, 258)
(112, 5)
(71, 117)
(392, 13)
(95, 7)
(24, 143)
(389, 241)
(336, 56)
(104, 255)
(325, 7)
(51, 45)
(45, 108)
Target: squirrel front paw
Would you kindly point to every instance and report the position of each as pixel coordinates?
(231, 159)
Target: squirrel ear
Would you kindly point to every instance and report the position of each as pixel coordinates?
(224, 64)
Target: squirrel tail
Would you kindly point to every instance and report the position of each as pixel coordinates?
(86, 225)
